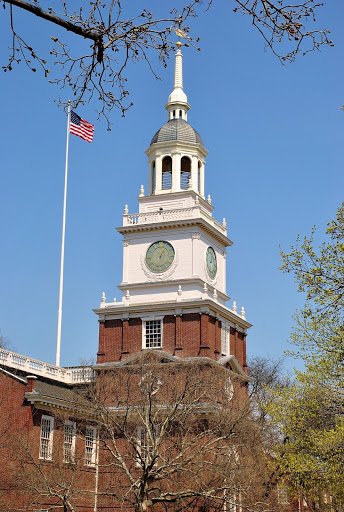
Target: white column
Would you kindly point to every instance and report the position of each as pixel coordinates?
(158, 174)
(194, 173)
(202, 180)
(150, 188)
(176, 162)
(224, 271)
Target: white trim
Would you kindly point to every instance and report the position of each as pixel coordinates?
(90, 445)
(46, 437)
(225, 338)
(69, 439)
(145, 320)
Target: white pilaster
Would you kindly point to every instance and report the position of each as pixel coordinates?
(194, 173)
(158, 174)
(125, 260)
(176, 158)
(202, 180)
(150, 188)
(195, 253)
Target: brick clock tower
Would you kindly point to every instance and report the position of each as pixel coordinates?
(174, 258)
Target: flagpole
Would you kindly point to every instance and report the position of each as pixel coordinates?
(59, 316)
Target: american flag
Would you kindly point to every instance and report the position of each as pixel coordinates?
(80, 127)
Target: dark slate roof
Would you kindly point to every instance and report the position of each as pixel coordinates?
(177, 129)
(55, 391)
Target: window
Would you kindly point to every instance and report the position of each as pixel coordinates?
(90, 445)
(282, 495)
(46, 442)
(69, 441)
(185, 173)
(152, 333)
(229, 388)
(146, 445)
(199, 177)
(225, 329)
(167, 173)
(141, 443)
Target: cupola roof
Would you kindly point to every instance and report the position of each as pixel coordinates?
(179, 130)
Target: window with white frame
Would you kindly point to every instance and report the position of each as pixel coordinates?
(145, 445)
(282, 495)
(46, 440)
(141, 442)
(152, 333)
(225, 331)
(69, 441)
(90, 445)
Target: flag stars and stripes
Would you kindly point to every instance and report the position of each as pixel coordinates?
(80, 127)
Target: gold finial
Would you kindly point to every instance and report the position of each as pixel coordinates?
(178, 44)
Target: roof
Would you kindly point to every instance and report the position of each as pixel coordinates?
(160, 356)
(177, 129)
(44, 389)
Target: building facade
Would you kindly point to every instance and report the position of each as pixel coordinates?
(173, 316)
(174, 257)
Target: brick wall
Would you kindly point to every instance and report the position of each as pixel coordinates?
(189, 335)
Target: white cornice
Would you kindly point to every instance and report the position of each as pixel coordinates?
(175, 145)
(168, 308)
(199, 222)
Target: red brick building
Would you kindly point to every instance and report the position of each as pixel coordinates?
(173, 308)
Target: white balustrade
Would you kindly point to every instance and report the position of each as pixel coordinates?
(171, 215)
(70, 375)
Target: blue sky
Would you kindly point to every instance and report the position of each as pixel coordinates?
(275, 167)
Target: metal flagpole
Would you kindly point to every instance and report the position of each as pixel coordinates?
(59, 318)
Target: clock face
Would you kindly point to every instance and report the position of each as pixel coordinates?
(211, 262)
(159, 256)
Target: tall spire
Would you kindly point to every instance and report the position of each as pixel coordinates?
(178, 69)
(177, 104)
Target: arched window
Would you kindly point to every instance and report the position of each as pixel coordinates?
(185, 173)
(180, 114)
(153, 176)
(174, 114)
(167, 173)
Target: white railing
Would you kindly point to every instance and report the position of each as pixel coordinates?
(171, 215)
(73, 375)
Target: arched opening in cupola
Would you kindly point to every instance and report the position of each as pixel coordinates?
(167, 173)
(185, 172)
(153, 176)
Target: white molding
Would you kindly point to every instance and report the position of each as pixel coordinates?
(166, 275)
(200, 222)
(150, 319)
(167, 308)
(50, 439)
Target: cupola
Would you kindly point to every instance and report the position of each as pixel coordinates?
(176, 152)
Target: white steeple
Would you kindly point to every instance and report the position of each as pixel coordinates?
(176, 152)
(177, 104)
